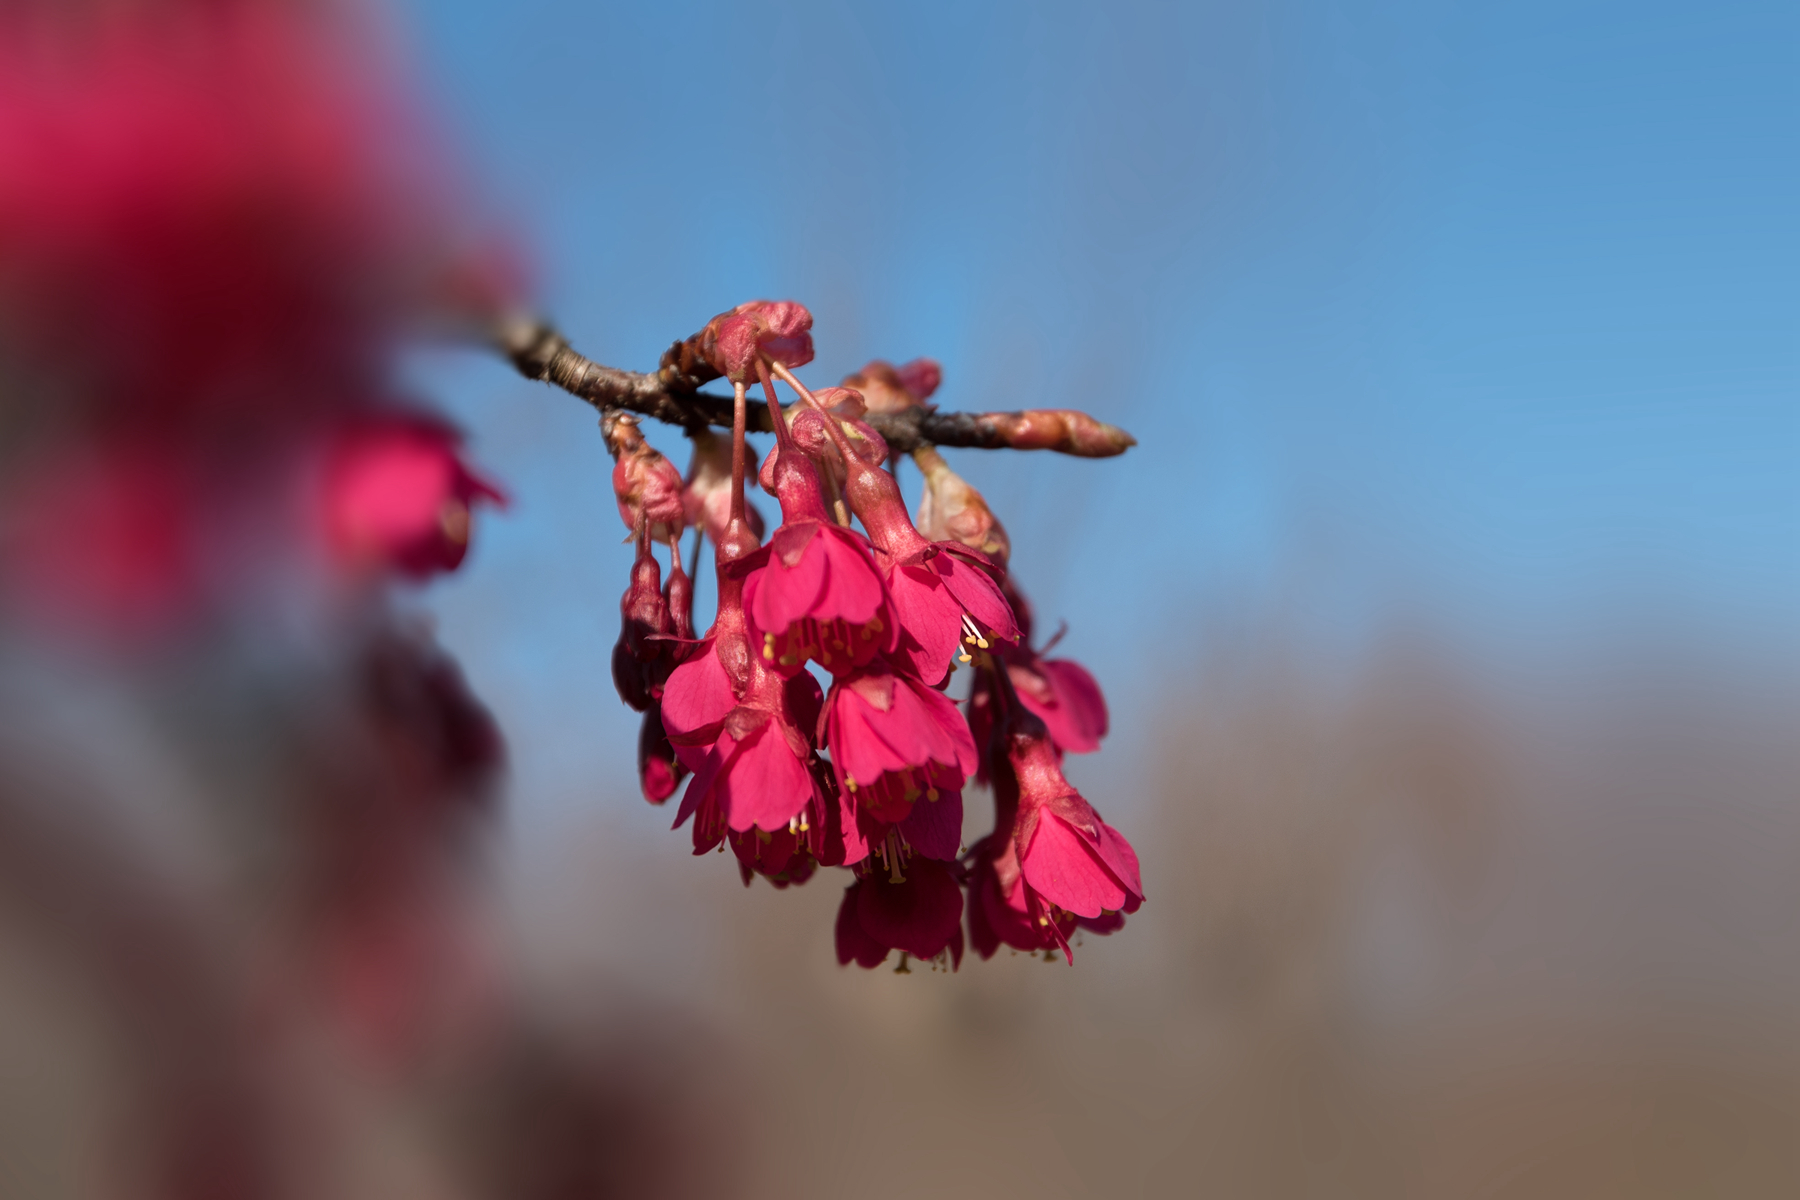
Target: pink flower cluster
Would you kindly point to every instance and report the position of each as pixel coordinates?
(208, 250)
(814, 717)
(212, 238)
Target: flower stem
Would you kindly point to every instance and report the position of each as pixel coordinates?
(739, 411)
(831, 420)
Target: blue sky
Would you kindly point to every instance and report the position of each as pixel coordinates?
(1483, 315)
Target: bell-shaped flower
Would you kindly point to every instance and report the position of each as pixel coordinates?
(813, 591)
(1052, 865)
(754, 769)
(397, 494)
(941, 593)
(895, 742)
(1071, 861)
(919, 914)
(740, 727)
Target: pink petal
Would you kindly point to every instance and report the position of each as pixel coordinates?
(764, 785)
(1064, 868)
(930, 616)
(854, 592)
(1118, 855)
(853, 945)
(697, 695)
(1076, 713)
(919, 916)
(934, 828)
(785, 594)
(978, 595)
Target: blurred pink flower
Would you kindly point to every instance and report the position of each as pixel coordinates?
(398, 494)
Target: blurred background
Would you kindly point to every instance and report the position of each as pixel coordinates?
(1445, 608)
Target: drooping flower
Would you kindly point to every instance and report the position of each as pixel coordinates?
(753, 764)
(895, 742)
(950, 510)
(646, 485)
(941, 593)
(919, 915)
(739, 725)
(1062, 866)
(1060, 691)
(660, 772)
(642, 658)
(397, 494)
(813, 592)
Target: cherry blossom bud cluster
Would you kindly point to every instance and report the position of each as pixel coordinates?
(814, 720)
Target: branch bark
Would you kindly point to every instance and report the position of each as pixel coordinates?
(672, 394)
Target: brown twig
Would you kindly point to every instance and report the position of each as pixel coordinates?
(672, 394)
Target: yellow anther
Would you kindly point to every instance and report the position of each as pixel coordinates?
(931, 794)
(788, 660)
(850, 783)
(769, 653)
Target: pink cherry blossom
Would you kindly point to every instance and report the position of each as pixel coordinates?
(398, 494)
(895, 741)
(941, 593)
(814, 591)
(920, 915)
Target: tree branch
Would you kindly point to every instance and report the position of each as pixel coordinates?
(672, 394)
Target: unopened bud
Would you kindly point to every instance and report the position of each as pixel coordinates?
(953, 511)
(646, 485)
(889, 389)
(779, 330)
(1064, 430)
(812, 437)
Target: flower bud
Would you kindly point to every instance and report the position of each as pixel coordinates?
(646, 485)
(889, 389)
(952, 511)
(779, 330)
(1061, 429)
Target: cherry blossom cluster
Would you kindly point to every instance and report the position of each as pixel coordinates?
(209, 257)
(867, 773)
